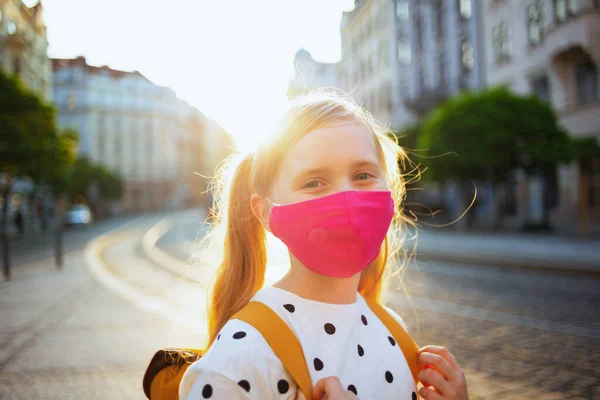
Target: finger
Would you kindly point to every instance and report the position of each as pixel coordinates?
(435, 379)
(442, 351)
(429, 394)
(439, 363)
(330, 386)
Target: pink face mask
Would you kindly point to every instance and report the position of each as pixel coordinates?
(336, 235)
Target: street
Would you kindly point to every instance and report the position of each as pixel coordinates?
(518, 333)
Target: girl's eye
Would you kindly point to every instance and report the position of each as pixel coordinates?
(363, 176)
(313, 185)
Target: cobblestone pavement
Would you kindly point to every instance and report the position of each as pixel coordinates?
(519, 334)
(532, 334)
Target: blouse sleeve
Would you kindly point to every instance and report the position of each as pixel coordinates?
(207, 384)
(239, 365)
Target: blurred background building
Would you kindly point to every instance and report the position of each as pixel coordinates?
(552, 48)
(134, 127)
(23, 46)
(445, 51)
(367, 69)
(402, 58)
(310, 74)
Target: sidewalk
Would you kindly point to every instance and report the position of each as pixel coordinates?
(509, 250)
(64, 336)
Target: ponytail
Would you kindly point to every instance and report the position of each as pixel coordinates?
(242, 272)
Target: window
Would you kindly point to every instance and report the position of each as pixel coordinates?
(17, 65)
(466, 8)
(467, 55)
(404, 52)
(419, 32)
(501, 44)
(439, 15)
(442, 69)
(100, 145)
(402, 10)
(11, 27)
(117, 151)
(117, 124)
(541, 88)
(563, 9)
(149, 135)
(421, 79)
(535, 22)
(586, 76)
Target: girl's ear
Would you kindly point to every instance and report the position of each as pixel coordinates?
(261, 209)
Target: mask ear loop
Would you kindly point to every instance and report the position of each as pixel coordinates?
(271, 205)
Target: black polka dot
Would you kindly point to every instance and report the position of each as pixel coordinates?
(330, 328)
(361, 351)
(318, 364)
(283, 386)
(239, 335)
(207, 391)
(392, 341)
(245, 384)
(290, 307)
(219, 337)
(364, 320)
(414, 396)
(352, 388)
(389, 377)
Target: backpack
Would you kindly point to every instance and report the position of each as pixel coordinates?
(167, 367)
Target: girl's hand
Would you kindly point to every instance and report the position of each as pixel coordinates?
(331, 389)
(440, 370)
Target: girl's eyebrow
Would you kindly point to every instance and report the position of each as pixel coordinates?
(310, 172)
(365, 163)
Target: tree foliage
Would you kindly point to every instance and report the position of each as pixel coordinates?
(84, 173)
(31, 144)
(490, 133)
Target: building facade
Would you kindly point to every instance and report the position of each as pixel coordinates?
(131, 126)
(367, 69)
(440, 50)
(311, 74)
(552, 48)
(23, 46)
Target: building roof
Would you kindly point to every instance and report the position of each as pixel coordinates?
(58, 63)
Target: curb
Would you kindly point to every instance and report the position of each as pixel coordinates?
(492, 260)
(134, 295)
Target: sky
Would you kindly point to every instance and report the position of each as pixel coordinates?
(232, 59)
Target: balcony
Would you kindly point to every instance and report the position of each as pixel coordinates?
(581, 120)
(579, 30)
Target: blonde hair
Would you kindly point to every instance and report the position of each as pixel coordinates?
(242, 270)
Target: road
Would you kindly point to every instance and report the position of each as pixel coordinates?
(518, 333)
(525, 330)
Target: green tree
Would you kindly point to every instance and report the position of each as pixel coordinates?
(30, 145)
(83, 173)
(490, 133)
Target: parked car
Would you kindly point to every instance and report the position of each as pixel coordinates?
(78, 215)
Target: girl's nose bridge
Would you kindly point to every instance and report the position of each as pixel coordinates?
(345, 185)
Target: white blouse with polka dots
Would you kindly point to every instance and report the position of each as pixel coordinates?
(343, 340)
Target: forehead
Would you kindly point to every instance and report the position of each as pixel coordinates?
(331, 146)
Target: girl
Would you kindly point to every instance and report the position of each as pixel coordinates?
(329, 187)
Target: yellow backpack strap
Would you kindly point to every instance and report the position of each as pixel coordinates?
(407, 344)
(282, 340)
